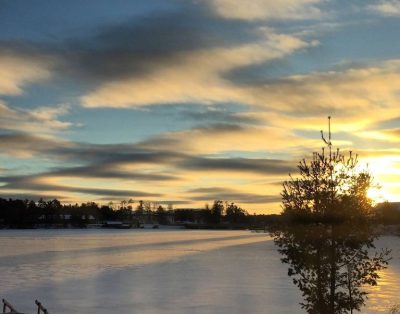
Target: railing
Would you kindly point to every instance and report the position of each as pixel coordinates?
(41, 308)
(8, 306)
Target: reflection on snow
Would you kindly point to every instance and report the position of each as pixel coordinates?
(386, 294)
(64, 255)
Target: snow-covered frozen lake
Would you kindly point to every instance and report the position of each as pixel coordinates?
(159, 271)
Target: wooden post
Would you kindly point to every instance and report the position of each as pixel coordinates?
(41, 308)
(7, 305)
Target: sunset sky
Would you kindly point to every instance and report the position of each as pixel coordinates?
(187, 101)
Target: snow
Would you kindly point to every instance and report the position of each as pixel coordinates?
(155, 271)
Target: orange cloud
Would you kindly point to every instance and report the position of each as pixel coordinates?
(267, 9)
(16, 71)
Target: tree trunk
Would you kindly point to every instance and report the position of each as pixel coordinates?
(332, 274)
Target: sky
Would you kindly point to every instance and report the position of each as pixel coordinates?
(186, 101)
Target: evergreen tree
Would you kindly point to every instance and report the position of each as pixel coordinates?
(328, 241)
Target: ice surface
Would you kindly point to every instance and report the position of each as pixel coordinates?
(157, 271)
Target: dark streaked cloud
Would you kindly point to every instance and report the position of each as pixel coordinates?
(102, 160)
(183, 53)
(213, 128)
(21, 183)
(160, 202)
(218, 115)
(389, 123)
(137, 46)
(31, 196)
(23, 144)
(226, 194)
(262, 166)
(101, 170)
(104, 170)
(164, 32)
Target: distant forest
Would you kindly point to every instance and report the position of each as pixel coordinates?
(17, 213)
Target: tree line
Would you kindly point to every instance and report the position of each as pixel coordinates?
(19, 213)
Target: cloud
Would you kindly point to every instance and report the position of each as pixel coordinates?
(220, 137)
(214, 114)
(232, 195)
(195, 76)
(386, 8)
(165, 57)
(33, 183)
(252, 165)
(165, 147)
(267, 9)
(133, 47)
(202, 76)
(384, 135)
(17, 70)
(372, 153)
(24, 145)
(137, 45)
(31, 196)
(133, 161)
(362, 94)
(41, 120)
(127, 170)
(387, 123)
(108, 171)
(393, 132)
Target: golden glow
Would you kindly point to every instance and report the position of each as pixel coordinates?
(376, 195)
(385, 171)
(381, 296)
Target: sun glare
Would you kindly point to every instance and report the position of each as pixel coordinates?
(376, 195)
(384, 172)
